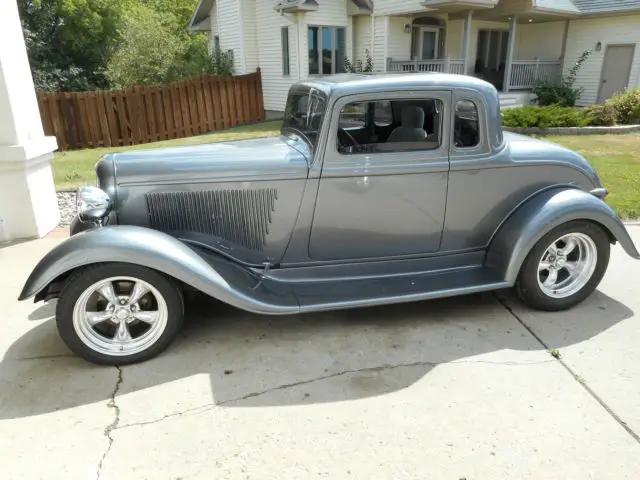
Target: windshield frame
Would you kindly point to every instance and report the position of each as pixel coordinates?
(315, 109)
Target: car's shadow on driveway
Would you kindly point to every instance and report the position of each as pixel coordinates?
(256, 360)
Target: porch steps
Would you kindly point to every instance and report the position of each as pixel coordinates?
(511, 100)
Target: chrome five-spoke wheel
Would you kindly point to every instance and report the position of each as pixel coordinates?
(120, 316)
(564, 267)
(119, 313)
(567, 265)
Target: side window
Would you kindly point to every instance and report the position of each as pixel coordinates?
(353, 116)
(466, 129)
(383, 115)
(395, 126)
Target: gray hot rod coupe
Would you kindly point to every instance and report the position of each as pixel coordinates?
(380, 189)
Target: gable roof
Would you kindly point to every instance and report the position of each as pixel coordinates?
(565, 6)
(606, 6)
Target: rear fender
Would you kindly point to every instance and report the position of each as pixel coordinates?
(209, 273)
(540, 214)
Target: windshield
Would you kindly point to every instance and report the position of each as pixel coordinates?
(304, 113)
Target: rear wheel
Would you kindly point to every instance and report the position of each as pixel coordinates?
(564, 267)
(116, 314)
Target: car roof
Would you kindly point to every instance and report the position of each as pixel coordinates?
(352, 83)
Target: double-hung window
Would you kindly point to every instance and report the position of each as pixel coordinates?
(327, 48)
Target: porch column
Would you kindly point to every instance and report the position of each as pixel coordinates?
(28, 205)
(510, 48)
(466, 42)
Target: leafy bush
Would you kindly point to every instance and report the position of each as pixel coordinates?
(627, 106)
(600, 115)
(561, 92)
(544, 117)
(220, 63)
(358, 66)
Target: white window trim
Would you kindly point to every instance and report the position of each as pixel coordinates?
(320, 46)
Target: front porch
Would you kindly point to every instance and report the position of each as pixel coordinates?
(524, 73)
(512, 45)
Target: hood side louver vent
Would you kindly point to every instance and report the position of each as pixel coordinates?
(239, 216)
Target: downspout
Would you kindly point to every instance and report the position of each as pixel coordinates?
(373, 33)
(242, 52)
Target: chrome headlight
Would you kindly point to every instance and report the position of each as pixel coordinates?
(93, 204)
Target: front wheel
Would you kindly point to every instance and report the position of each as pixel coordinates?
(116, 314)
(564, 267)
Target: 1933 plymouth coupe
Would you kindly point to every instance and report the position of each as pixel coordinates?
(379, 189)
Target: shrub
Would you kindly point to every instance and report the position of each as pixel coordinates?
(600, 115)
(545, 117)
(358, 66)
(627, 106)
(562, 91)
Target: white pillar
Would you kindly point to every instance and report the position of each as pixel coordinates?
(466, 42)
(28, 205)
(510, 48)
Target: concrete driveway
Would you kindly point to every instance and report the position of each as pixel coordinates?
(459, 388)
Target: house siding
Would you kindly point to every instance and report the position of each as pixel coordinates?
(213, 25)
(453, 41)
(391, 7)
(361, 37)
(583, 35)
(379, 54)
(542, 40)
(250, 35)
(398, 41)
(230, 35)
(275, 85)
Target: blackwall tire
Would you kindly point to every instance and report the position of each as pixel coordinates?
(564, 267)
(118, 314)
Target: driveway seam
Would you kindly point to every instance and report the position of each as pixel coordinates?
(113, 425)
(575, 376)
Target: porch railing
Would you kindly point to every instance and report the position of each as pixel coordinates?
(525, 73)
(444, 65)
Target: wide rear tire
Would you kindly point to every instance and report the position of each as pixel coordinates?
(564, 267)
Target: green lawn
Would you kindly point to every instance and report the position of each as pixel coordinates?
(616, 157)
(617, 160)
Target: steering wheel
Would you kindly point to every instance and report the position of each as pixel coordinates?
(345, 138)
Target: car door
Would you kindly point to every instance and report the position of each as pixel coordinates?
(383, 199)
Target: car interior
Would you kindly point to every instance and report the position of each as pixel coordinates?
(403, 125)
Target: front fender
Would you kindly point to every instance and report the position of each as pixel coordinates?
(208, 273)
(539, 215)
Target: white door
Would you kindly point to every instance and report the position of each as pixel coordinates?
(428, 44)
(615, 70)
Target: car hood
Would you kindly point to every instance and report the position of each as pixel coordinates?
(239, 160)
(527, 149)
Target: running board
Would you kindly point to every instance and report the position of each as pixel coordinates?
(321, 296)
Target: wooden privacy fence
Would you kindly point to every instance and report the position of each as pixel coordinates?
(150, 113)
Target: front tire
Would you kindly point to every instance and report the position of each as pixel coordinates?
(564, 267)
(117, 313)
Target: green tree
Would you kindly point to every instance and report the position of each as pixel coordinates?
(146, 51)
(70, 41)
(155, 46)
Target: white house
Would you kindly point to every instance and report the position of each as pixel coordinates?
(510, 43)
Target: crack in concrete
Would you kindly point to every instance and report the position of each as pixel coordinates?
(575, 376)
(47, 357)
(206, 407)
(113, 425)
